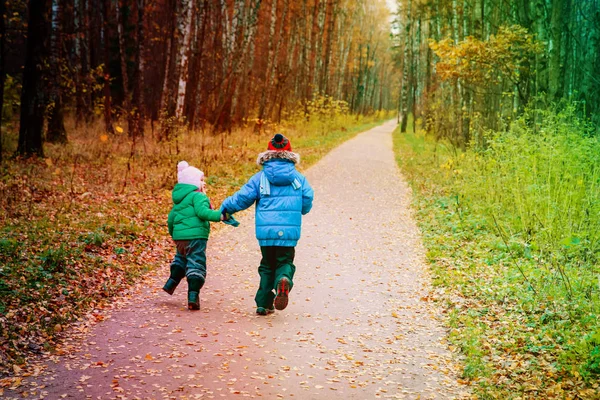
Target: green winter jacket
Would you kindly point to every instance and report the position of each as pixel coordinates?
(189, 218)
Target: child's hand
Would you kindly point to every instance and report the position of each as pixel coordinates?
(225, 216)
(232, 221)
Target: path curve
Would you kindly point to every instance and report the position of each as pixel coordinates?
(358, 325)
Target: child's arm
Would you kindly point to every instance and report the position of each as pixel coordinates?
(170, 222)
(244, 197)
(307, 197)
(203, 210)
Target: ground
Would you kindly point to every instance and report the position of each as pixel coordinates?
(360, 323)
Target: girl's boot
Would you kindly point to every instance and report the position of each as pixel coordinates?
(170, 286)
(193, 300)
(194, 286)
(177, 273)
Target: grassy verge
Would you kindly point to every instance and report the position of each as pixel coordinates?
(81, 225)
(512, 233)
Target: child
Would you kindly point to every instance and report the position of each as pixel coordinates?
(282, 195)
(189, 227)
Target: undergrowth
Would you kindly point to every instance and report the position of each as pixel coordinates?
(512, 233)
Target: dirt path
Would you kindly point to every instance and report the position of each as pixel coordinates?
(358, 325)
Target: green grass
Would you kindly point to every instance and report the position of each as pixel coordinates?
(513, 233)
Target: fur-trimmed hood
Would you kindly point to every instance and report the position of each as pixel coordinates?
(277, 155)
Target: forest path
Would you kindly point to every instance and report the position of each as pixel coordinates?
(358, 325)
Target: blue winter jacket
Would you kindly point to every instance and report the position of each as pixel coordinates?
(282, 196)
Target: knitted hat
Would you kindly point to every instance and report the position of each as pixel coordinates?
(279, 143)
(189, 175)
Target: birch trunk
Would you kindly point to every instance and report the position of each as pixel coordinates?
(185, 26)
(267, 83)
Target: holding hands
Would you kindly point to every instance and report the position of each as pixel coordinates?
(228, 218)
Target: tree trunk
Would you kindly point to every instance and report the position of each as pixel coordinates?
(2, 66)
(82, 73)
(56, 127)
(106, 87)
(124, 73)
(270, 62)
(556, 26)
(165, 97)
(313, 52)
(200, 76)
(32, 95)
(138, 72)
(331, 14)
(185, 27)
(404, 106)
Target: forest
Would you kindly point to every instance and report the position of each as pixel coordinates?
(498, 111)
(210, 64)
(499, 114)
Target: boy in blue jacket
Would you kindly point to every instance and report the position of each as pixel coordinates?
(282, 196)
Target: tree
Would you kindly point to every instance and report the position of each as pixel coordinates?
(33, 95)
(185, 29)
(56, 127)
(2, 65)
(108, 126)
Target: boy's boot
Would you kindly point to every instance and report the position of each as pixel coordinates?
(283, 291)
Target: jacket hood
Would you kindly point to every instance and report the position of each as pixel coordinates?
(280, 172)
(269, 155)
(181, 190)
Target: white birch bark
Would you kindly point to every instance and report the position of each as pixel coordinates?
(185, 26)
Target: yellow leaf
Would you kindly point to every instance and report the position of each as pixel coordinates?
(394, 314)
(149, 357)
(103, 138)
(48, 162)
(16, 382)
(119, 129)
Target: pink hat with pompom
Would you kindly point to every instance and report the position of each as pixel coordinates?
(189, 175)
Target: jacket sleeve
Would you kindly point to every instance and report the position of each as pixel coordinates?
(170, 222)
(202, 209)
(244, 197)
(307, 196)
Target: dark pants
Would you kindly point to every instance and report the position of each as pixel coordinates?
(190, 261)
(277, 262)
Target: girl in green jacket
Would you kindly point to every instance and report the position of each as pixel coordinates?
(189, 226)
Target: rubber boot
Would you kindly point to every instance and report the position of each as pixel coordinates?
(170, 286)
(193, 301)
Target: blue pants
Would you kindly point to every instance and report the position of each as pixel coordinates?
(190, 261)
